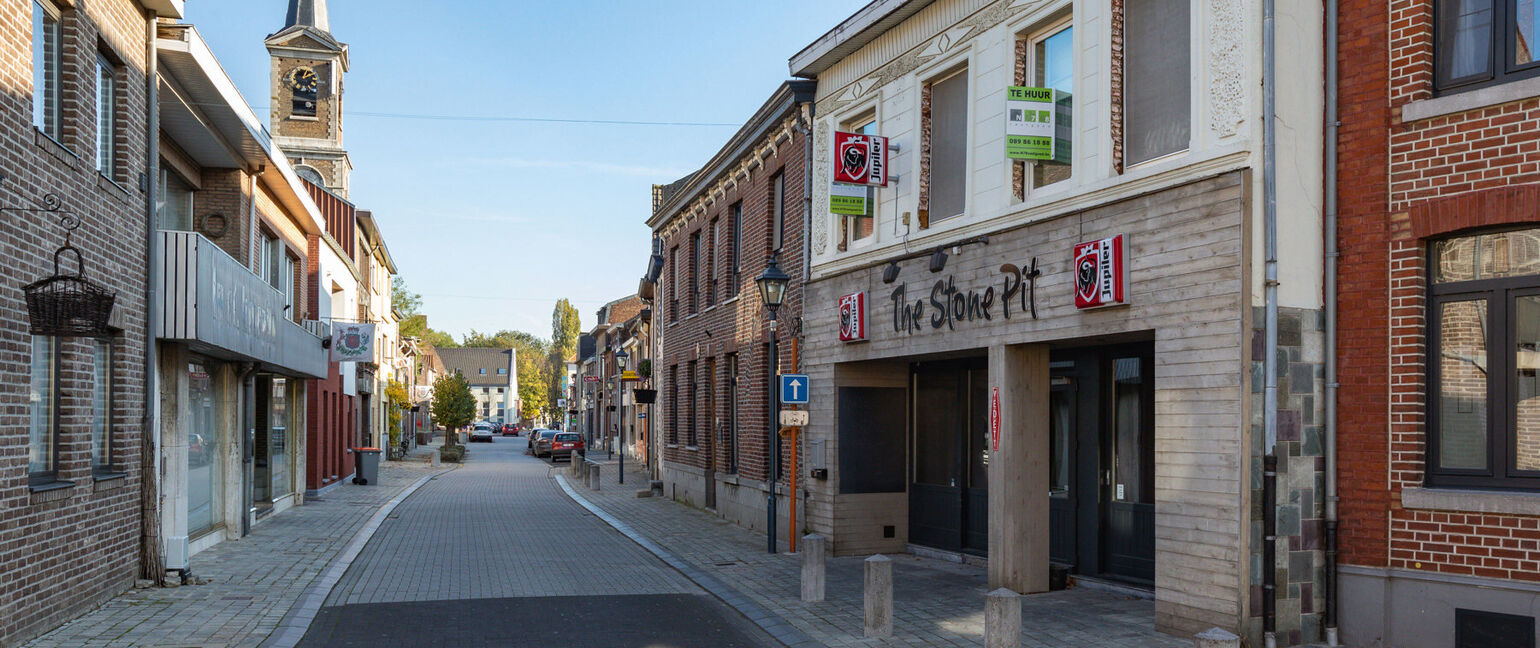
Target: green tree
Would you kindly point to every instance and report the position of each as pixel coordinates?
(565, 328)
(396, 399)
(533, 379)
(439, 339)
(453, 405)
(403, 300)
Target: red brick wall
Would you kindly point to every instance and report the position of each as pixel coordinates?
(64, 551)
(1401, 184)
(736, 326)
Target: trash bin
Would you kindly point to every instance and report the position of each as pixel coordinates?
(366, 466)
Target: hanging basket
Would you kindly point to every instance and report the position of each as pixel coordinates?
(69, 305)
(645, 396)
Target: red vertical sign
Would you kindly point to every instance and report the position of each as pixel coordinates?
(994, 420)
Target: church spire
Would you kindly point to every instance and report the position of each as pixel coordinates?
(308, 13)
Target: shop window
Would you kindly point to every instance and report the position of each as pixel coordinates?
(856, 228)
(106, 116)
(1484, 356)
(173, 202)
(1483, 42)
(101, 407)
(1157, 78)
(279, 414)
(205, 470)
(47, 69)
(1053, 66)
(43, 453)
(777, 212)
(945, 148)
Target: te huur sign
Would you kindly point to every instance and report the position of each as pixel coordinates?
(945, 305)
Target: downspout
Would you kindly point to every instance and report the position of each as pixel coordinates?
(152, 563)
(1270, 332)
(805, 127)
(1330, 200)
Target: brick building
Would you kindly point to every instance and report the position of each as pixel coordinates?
(1042, 345)
(1439, 230)
(718, 228)
(612, 421)
(75, 119)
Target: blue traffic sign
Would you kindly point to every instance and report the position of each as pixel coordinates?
(794, 388)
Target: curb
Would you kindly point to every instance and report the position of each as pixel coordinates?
(777, 627)
(291, 629)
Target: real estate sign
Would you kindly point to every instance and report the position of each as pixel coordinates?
(1031, 125)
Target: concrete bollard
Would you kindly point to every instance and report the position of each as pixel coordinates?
(593, 477)
(879, 596)
(1002, 619)
(433, 459)
(813, 546)
(657, 487)
(1216, 638)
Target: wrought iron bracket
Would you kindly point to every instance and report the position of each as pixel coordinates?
(49, 204)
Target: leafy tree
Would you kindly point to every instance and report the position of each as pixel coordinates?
(533, 379)
(453, 405)
(565, 327)
(414, 326)
(403, 300)
(439, 339)
(396, 398)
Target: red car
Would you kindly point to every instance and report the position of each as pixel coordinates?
(565, 444)
(510, 429)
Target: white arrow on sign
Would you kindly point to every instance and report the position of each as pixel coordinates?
(796, 389)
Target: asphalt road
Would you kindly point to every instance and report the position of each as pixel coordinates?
(494, 554)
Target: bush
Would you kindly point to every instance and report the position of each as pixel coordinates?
(451, 454)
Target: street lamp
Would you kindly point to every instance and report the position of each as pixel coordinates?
(620, 362)
(772, 290)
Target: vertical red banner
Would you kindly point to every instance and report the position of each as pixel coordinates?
(994, 420)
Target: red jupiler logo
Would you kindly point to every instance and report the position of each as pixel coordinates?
(1101, 273)
(853, 317)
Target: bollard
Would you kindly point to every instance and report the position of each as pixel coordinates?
(879, 596)
(1216, 638)
(1002, 619)
(813, 567)
(593, 477)
(433, 459)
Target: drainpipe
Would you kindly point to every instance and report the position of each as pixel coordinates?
(1270, 362)
(1331, 323)
(152, 553)
(805, 127)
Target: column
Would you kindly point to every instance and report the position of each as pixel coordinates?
(1018, 469)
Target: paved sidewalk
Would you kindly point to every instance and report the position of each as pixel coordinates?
(253, 582)
(938, 603)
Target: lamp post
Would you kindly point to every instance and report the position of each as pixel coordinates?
(772, 291)
(620, 362)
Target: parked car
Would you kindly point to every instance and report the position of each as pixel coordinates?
(564, 444)
(482, 432)
(197, 450)
(542, 441)
(534, 433)
(510, 429)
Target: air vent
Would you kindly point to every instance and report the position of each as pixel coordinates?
(1482, 629)
(888, 531)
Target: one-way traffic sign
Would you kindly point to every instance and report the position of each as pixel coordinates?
(794, 388)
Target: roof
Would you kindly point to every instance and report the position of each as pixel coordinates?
(783, 100)
(854, 33)
(620, 310)
(308, 13)
(470, 361)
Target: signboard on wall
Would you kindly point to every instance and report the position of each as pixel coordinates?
(861, 159)
(1101, 273)
(847, 199)
(1032, 122)
(994, 419)
(352, 342)
(853, 317)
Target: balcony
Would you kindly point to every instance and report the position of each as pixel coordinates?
(210, 300)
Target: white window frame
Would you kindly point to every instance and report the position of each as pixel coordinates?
(860, 118)
(1036, 36)
(102, 378)
(106, 116)
(48, 70)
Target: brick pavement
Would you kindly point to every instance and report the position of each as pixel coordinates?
(937, 603)
(253, 582)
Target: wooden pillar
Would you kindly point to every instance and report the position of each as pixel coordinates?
(1018, 469)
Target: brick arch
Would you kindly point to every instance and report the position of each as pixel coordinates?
(1502, 206)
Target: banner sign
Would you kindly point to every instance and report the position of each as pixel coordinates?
(861, 159)
(847, 199)
(352, 342)
(1101, 273)
(994, 419)
(853, 317)
(1032, 124)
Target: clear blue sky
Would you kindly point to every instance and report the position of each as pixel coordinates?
(494, 221)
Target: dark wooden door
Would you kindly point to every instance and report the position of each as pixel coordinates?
(949, 491)
(1128, 490)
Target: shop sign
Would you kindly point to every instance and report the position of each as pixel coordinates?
(949, 305)
(861, 159)
(1032, 123)
(590, 379)
(1101, 273)
(994, 420)
(794, 418)
(352, 342)
(629, 375)
(853, 317)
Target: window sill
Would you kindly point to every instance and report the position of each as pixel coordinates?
(1471, 501)
(106, 183)
(303, 118)
(1471, 100)
(692, 448)
(672, 445)
(51, 491)
(54, 147)
(104, 481)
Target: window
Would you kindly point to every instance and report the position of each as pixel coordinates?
(736, 258)
(106, 117)
(1157, 77)
(711, 262)
(946, 148)
(711, 403)
(777, 212)
(205, 457)
(501, 390)
(101, 407)
(673, 284)
(673, 404)
(286, 280)
(1053, 66)
(1480, 42)
(695, 272)
(304, 83)
(1484, 361)
(482, 372)
(730, 378)
(502, 371)
(270, 251)
(693, 437)
(47, 63)
(173, 202)
(42, 461)
(858, 227)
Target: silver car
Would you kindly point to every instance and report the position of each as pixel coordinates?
(482, 432)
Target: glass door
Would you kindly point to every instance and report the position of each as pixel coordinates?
(278, 423)
(205, 469)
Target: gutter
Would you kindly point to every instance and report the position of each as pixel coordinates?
(152, 559)
(1332, 124)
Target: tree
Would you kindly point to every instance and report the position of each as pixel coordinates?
(406, 302)
(396, 399)
(533, 379)
(453, 405)
(565, 326)
(439, 339)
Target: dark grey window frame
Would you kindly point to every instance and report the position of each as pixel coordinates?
(737, 260)
(1501, 45)
(48, 479)
(1499, 294)
(110, 467)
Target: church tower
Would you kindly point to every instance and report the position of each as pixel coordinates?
(308, 66)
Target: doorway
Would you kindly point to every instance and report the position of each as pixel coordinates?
(948, 490)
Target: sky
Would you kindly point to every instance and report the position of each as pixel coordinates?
(493, 221)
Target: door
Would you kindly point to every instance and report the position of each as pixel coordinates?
(948, 492)
(1128, 489)
(1062, 502)
(261, 477)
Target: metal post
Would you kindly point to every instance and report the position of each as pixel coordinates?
(622, 474)
(775, 446)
